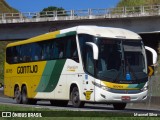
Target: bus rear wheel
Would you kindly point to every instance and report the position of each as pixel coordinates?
(61, 103)
(25, 99)
(17, 95)
(119, 106)
(75, 98)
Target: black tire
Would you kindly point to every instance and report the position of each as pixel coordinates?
(24, 95)
(17, 95)
(119, 106)
(76, 102)
(25, 99)
(62, 103)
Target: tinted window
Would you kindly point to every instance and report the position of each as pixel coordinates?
(60, 48)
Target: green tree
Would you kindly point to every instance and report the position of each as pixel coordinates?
(129, 4)
(123, 3)
(52, 11)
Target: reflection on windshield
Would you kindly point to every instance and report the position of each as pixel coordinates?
(120, 61)
(109, 61)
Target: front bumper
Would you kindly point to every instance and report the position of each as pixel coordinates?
(106, 96)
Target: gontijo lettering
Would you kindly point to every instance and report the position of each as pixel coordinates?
(27, 69)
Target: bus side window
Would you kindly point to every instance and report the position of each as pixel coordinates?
(16, 53)
(60, 48)
(68, 49)
(45, 51)
(36, 51)
(9, 55)
(51, 52)
(89, 61)
(12, 55)
(71, 49)
(55, 50)
(61, 51)
(74, 51)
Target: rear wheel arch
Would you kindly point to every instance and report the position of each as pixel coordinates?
(25, 99)
(23, 85)
(17, 85)
(17, 94)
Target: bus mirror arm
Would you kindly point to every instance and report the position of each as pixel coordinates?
(95, 49)
(154, 54)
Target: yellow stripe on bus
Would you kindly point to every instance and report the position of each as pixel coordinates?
(120, 86)
(46, 36)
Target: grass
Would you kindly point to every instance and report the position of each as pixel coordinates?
(85, 118)
(69, 115)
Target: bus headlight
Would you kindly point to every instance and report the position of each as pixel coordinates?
(101, 86)
(105, 88)
(144, 88)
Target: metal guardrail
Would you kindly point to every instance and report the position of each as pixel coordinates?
(120, 12)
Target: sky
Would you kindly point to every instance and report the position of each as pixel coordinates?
(38, 5)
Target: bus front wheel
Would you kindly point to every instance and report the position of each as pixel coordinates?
(75, 98)
(17, 95)
(119, 106)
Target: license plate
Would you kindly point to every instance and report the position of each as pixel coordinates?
(125, 98)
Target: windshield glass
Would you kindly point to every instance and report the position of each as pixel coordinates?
(120, 61)
(109, 61)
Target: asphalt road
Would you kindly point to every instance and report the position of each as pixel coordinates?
(88, 107)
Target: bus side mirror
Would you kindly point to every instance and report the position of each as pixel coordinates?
(152, 59)
(154, 54)
(95, 49)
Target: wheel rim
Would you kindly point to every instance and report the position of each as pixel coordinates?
(18, 95)
(24, 96)
(76, 97)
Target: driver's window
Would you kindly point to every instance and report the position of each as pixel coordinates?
(89, 61)
(114, 60)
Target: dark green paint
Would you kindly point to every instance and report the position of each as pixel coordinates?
(141, 85)
(66, 34)
(50, 76)
(56, 73)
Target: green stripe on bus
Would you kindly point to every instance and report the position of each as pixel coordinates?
(56, 73)
(141, 85)
(46, 76)
(51, 76)
(66, 34)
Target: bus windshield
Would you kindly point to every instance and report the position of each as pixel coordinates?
(120, 61)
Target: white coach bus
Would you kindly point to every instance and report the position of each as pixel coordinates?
(82, 64)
